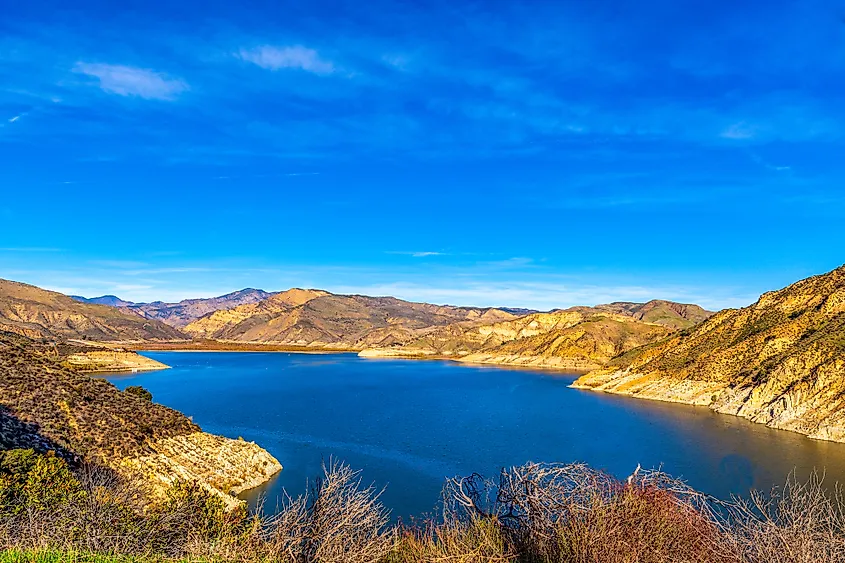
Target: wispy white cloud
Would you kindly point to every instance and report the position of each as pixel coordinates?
(764, 163)
(133, 81)
(416, 253)
(515, 262)
(16, 118)
(293, 57)
(739, 131)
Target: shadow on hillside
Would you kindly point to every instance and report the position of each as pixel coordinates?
(15, 433)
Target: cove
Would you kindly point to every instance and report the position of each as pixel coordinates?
(408, 424)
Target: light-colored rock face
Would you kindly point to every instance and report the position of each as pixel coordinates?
(111, 361)
(221, 465)
(780, 361)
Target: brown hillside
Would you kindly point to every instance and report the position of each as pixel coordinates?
(780, 361)
(222, 324)
(38, 313)
(314, 318)
(188, 310)
(666, 313)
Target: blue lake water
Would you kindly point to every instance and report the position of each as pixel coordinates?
(409, 424)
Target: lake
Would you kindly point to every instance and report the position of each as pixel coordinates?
(408, 424)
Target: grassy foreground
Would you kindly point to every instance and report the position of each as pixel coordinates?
(52, 556)
(536, 513)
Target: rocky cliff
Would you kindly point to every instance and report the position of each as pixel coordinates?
(779, 362)
(47, 406)
(37, 313)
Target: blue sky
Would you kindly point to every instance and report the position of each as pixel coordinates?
(538, 154)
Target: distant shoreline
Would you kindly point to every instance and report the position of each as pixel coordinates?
(224, 350)
(210, 346)
(323, 351)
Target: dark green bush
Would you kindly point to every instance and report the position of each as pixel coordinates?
(139, 391)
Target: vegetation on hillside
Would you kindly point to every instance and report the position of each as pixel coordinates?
(47, 406)
(44, 405)
(37, 313)
(780, 361)
(667, 313)
(537, 513)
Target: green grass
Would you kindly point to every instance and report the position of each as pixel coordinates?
(49, 556)
(55, 556)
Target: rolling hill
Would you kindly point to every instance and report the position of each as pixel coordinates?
(307, 317)
(38, 313)
(110, 300)
(667, 313)
(581, 338)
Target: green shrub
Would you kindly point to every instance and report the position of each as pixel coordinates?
(37, 481)
(139, 391)
(204, 512)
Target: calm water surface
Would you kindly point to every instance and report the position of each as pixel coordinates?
(408, 424)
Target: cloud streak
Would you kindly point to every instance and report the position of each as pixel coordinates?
(417, 254)
(293, 57)
(133, 81)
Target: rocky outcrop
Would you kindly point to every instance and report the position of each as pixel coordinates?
(779, 362)
(111, 361)
(47, 406)
(37, 313)
(221, 465)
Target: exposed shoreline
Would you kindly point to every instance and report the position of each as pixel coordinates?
(510, 363)
(729, 401)
(369, 354)
(101, 361)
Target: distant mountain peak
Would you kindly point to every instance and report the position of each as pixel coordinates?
(110, 300)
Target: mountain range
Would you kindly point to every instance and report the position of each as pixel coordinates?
(779, 361)
(38, 313)
(184, 312)
(577, 338)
